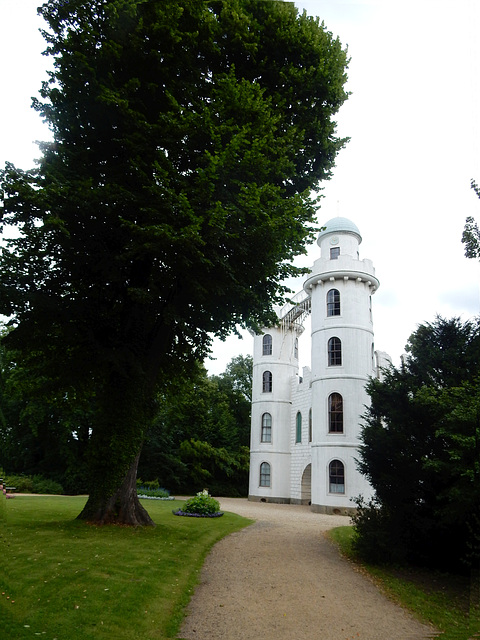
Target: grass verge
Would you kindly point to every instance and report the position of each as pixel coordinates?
(63, 579)
(439, 599)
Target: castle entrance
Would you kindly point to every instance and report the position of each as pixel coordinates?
(307, 485)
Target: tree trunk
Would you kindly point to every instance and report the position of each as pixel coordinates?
(124, 411)
(123, 507)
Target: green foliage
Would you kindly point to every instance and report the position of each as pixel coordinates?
(201, 433)
(202, 504)
(420, 451)
(188, 138)
(45, 485)
(372, 539)
(35, 484)
(22, 484)
(41, 433)
(471, 232)
(225, 472)
(150, 484)
(151, 490)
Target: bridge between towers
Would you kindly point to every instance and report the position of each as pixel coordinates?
(294, 312)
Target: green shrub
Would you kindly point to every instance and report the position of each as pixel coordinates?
(374, 541)
(202, 503)
(22, 484)
(45, 485)
(148, 484)
(35, 484)
(145, 490)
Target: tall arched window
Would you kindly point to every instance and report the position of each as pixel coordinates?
(266, 428)
(267, 345)
(264, 474)
(333, 302)
(335, 413)
(310, 430)
(334, 352)
(336, 477)
(295, 349)
(267, 382)
(298, 428)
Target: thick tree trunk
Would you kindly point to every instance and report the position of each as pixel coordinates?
(123, 507)
(124, 410)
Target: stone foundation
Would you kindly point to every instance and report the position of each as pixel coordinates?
(269, 499)
(333, 511)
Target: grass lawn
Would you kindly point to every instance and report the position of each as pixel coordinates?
(436, 598)
(66, 580)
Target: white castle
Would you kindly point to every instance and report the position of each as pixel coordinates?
(305, 430)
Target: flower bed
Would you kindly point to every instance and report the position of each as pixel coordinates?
(145, 497)
(179, 512)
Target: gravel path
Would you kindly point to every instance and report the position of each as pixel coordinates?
(281, 579)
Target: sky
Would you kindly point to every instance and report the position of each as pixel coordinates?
(404, 177)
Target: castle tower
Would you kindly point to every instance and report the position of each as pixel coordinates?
(343, 358)
(275, 361)
(305, 430)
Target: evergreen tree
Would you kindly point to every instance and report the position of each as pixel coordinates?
(420, 451)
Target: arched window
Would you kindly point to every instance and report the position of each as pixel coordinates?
(264, 474)
(334, 352)
(295, 349)
(267, 345)
(335, 413)
(267, 382)
(310, 430)
(266, 428)
(336, 477)
(333, 302)
(298, 430)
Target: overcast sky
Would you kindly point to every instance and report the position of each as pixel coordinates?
(404, 178)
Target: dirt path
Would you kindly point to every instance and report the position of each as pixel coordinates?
(281, 579)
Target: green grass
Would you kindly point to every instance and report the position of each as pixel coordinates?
(439, 599)
(64, 579)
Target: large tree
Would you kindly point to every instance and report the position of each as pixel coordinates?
(188, 136)
(421, 451)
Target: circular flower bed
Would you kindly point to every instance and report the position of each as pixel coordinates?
(179, 512)
(144, 497)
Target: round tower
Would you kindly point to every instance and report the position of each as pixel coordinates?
(343, 358)
(275, 361)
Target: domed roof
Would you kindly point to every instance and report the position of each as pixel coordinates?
(339, 225)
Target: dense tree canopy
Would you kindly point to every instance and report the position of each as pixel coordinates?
(199, 436)
(188, 136)
(421, 451)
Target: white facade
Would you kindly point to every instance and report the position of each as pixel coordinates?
(304, 434)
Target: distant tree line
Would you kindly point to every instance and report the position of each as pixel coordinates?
(199, 437)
